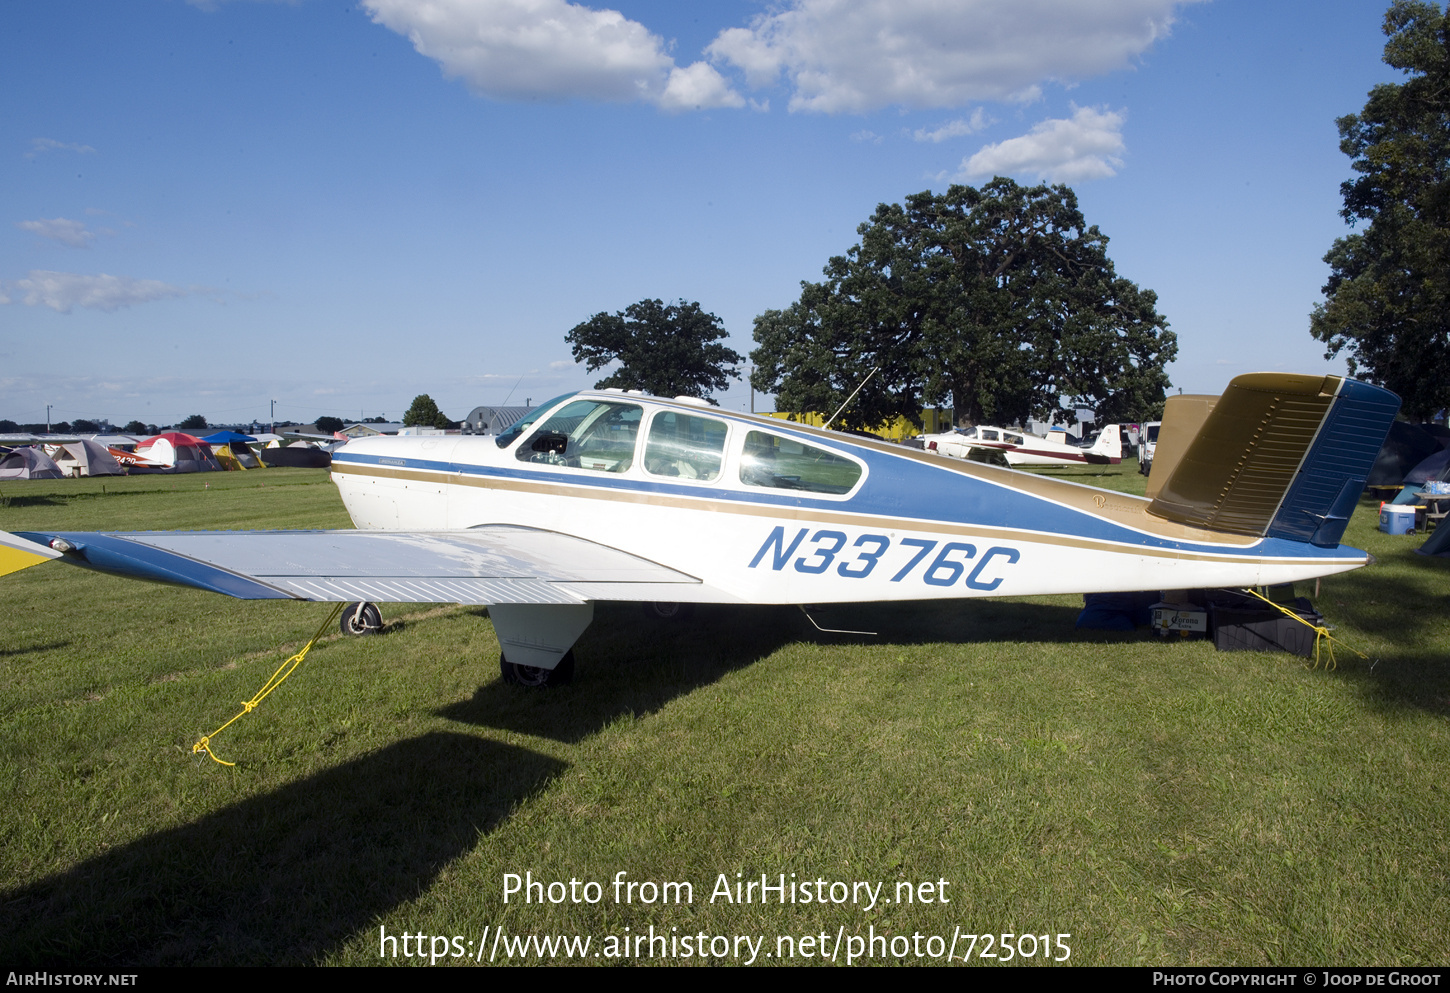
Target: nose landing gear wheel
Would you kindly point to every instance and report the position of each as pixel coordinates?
(361, 618)
(528, 675)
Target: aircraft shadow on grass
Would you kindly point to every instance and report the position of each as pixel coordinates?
(281, 878)
(637, 665)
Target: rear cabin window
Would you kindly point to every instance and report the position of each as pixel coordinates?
(685, 447)
(786, 464)
(586, 434)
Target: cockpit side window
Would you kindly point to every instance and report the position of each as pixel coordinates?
(685, 446)
(586, 434)
(988, 435)
(784, 463)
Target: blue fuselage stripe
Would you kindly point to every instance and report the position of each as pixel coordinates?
(893, 488)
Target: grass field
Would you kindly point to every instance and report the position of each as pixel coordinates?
(1161, 803)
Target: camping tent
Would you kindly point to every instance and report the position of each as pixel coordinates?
(177, 451)
(301, 456)
(1406, 446)
(230, 444)
(89, 459)
(1434, 467)
(29, 463)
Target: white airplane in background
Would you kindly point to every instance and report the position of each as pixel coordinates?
(1020, 448)
(607, 495)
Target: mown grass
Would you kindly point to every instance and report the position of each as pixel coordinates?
(1161, 802)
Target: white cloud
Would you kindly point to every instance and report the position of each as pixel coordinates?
(860, 55)
(38, 145)
(551, 50)
(61, 229)
(64, 290)
(1087, 146)
(866, 136)
(696, 87)
(955, 129)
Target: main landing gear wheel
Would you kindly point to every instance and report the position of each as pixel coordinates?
(528, 675)
(361, 618)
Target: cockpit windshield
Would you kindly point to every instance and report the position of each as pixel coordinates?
(586, 434)
(524, 423)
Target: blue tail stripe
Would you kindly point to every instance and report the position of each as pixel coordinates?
(1344, 451)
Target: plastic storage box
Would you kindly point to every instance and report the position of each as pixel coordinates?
(1397, 518)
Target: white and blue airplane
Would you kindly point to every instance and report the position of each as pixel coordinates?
(611, 495)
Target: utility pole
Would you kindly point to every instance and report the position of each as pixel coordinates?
(47, 417)
(274, 416)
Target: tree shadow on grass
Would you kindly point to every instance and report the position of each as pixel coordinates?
(27, 649)
(40, 500)
(281, 878)
(1405, 608)
(631, 664)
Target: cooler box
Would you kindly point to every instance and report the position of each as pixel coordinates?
(1397, 519)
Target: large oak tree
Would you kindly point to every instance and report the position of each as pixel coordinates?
(673, 350)
(1001, 301)
(1388, 295)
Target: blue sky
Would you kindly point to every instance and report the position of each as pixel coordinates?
(340, 205)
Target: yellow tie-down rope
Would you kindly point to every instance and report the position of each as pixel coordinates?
(278, 678)
(1321, 633)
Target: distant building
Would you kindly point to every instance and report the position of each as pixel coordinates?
(492, 420)
(370, 430)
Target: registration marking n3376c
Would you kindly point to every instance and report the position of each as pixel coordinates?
(859, 559)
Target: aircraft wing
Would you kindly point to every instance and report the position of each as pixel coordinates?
(486, 565)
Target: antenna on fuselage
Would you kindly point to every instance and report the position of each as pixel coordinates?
(851, 397)
(511, 392)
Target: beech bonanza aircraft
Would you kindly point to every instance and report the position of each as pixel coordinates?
(619, 496)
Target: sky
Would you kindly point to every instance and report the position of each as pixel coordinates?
(335, 205)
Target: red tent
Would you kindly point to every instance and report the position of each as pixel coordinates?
(178, 452)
